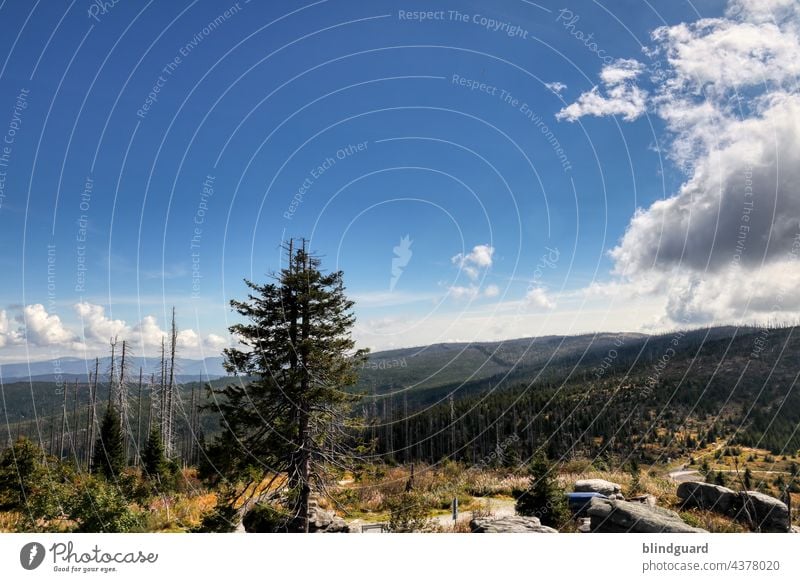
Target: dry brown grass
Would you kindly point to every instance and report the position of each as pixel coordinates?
(662, 488)
(9, 521)
(713, 522)
(178, 513)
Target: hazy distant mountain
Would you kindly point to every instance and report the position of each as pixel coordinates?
(572, 390)
(71, 368)
(444, 364)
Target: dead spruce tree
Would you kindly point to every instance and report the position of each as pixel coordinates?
(286, 420)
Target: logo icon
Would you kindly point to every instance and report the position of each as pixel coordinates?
(31, 555)
(402, 255)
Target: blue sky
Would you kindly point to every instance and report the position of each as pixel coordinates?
(190, 121)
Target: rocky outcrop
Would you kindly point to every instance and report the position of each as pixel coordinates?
(768, 514)
(614, 516)
(509, 524)
(322, 521)
(708, 496)
(601, 486)
(264, 518)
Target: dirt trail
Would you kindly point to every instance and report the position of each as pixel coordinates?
(499, 508)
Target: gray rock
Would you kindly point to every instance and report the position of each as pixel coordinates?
(613, 516)
(597, 486)
(509, 524)
(708, 496)
(337, 525)
(320, 520)
(771, 514)
(649, 500)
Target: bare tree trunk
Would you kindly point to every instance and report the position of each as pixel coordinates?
(92, 415)
(191, 440)
(303, 432)
(171, 387)
(73, 432)
(139, 423)
(113, 373)
(152, 404)
(52, 436)
(63, 424)
(122, 401)
(305, 473)
(162, 409)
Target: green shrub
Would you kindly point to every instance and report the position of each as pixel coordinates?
(545, 499)
(265, 518)
(33, 484)
(98, 506)
(222, 519)
(408, 512)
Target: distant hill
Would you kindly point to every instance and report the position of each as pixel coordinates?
(428, 367)
(656, 396)
(72, 368)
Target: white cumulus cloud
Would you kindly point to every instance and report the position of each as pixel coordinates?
(8, 336)
(620, 94)
(538, 297)
(98, 327)
(43, 328)
(477, 260)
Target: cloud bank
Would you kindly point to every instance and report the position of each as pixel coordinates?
(725, 245)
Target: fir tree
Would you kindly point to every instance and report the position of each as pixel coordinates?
(290, 419)
(544, 499)
(154, 461)
(109, 452)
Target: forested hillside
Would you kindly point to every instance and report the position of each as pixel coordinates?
(604, 394)
(651, 397)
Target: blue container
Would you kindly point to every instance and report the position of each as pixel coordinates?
(579, 502)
